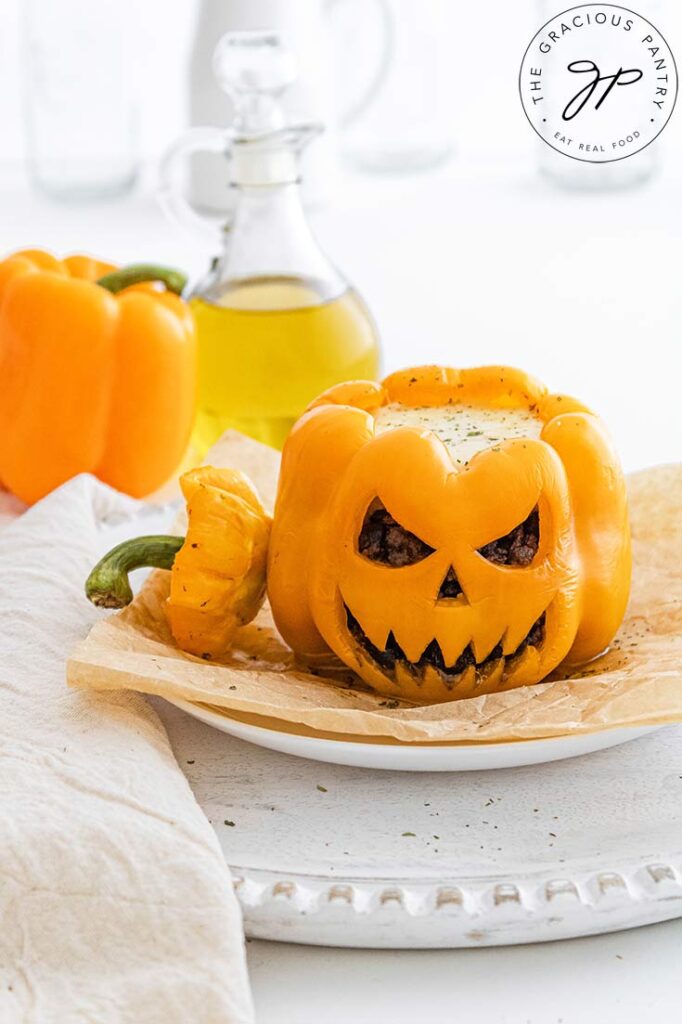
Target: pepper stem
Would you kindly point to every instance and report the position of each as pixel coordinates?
(137, 273)
(107, 586)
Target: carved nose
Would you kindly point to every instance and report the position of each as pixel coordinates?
(450, 586)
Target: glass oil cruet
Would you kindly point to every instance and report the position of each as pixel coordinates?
(276, 321)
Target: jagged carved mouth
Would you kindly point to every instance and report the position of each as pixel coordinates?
(432, 656)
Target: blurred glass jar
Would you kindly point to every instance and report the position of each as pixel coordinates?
(582, 176)
(81, 97)
(402, 122)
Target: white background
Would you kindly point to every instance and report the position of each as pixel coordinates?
(486, 40)
(480, 261)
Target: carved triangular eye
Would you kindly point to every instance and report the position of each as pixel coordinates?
(519, 546)
(384, 540)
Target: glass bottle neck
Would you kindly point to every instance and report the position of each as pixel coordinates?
(269, 240)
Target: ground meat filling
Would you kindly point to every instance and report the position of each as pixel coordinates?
(450, 586)
(433, 655)
(384, 540)
(518, 547)
(386, 658)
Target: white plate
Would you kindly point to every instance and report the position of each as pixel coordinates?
(407, 757)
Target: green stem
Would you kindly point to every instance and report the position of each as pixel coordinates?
(137, 273)
(107, 585)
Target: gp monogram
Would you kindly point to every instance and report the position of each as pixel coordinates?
(598, 83)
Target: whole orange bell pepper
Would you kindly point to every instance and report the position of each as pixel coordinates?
(97, 373)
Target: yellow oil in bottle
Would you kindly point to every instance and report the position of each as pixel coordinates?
(267, 347)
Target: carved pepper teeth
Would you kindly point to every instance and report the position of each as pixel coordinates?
(432, 655)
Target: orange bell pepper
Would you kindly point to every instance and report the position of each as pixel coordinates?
(97, 372)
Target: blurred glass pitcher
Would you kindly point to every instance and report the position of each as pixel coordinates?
(400, 119)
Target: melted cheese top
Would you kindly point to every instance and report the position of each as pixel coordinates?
(463, 429)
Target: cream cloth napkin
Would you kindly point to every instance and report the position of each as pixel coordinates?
(116, 904)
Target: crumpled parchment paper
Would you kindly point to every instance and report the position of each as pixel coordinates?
(637, 682)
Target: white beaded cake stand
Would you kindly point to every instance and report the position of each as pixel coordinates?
(334, 855)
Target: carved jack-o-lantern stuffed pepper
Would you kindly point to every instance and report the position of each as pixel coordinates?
(449, 533)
